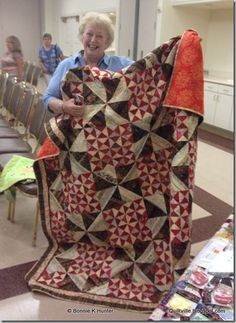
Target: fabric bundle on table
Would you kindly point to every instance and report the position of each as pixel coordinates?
(116, 186)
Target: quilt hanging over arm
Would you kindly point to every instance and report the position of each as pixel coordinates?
(116, 186)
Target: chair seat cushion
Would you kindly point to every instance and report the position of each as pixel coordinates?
(28, 188)
(3, 123)
(14, 145)
(7, 132)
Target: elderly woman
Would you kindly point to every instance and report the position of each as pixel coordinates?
(96, 34)
(12, 62)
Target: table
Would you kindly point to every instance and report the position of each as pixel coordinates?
(205, 291)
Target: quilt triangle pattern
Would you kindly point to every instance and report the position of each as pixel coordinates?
(116, 194)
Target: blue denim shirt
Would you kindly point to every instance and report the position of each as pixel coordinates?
(50, 58)
(111, 63)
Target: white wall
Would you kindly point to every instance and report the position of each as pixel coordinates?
(214, 26)
(50, 18)
(66, 33)
(28, 19)
(175, 20)
(219, 47)
(22, 19)
(70, 7)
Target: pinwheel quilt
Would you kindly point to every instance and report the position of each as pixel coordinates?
(116, 185)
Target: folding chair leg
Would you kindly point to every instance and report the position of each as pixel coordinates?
(36, 221)
(10, 195)
(11, 211)
(13, 208)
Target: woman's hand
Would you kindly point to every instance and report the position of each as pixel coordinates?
(69, 107)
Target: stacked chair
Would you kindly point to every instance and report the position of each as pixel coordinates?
(26, 66)
(32, 73)
(3, 81)
(29, 73)
(36, 75)
(12, 141)
(3, 78)
(23, 117)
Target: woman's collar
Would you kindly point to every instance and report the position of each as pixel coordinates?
(80, 57)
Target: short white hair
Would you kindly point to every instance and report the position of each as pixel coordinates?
(100, 19)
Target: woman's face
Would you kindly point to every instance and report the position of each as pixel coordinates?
(47, 42)
(95, 41)
(10, 46)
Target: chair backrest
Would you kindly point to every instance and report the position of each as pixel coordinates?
(36, 75)
(37, 119)
(10, 83)
(26, 106)
(3, 79)
(26, 66)
(16, 97)
(43, 134)
(29, 73)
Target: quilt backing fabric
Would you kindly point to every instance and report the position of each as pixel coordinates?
(116, 186)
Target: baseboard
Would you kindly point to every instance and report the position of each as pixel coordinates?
(218, 131)
(223, 141)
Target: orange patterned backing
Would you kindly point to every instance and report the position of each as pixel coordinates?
(186, 84)
(48, 149)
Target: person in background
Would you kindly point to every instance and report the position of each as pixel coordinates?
(50, 56)
(96, 34)
(13, 61)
